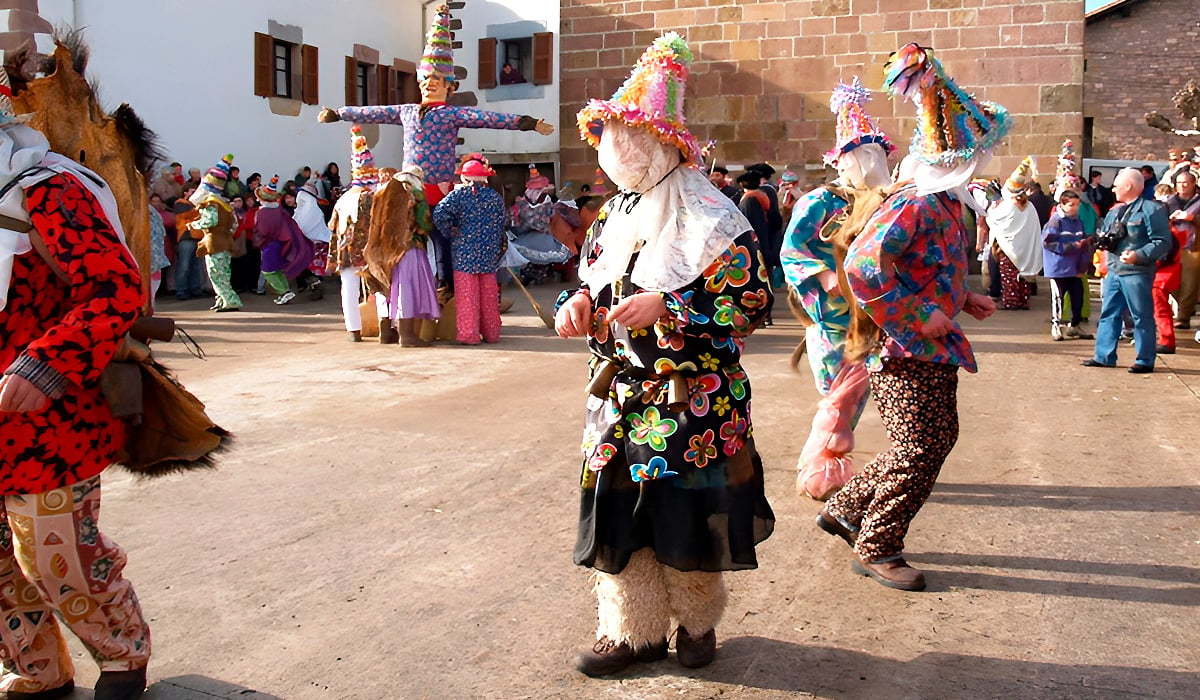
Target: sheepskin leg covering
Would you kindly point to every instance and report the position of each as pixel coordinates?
(633, 604)
(697, 598)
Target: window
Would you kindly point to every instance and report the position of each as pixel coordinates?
(516, 61)
(285, 69)
(363, 84)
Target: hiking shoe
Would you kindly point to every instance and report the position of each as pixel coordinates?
(61, 691)
(836, 526)
(287, 297)
(1079, 332)
(694, 652)
(121, 685)
(894, 573)
(607, 657)
(1141, 369)
(1091, 362)
(1056, 331)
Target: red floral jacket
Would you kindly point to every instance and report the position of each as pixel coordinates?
(61, 337)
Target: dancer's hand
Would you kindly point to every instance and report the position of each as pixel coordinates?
(574, 317)
(828, 280)
(327, 115)
(19, 395)
(979, 305)
(938, 325)
(640, 310)
(543, 128)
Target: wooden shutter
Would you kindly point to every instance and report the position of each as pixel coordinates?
(543, 58)
(351, 81)
(487, 64)
(264, 65)
(387, 86)
(410, 90)
(308, 74)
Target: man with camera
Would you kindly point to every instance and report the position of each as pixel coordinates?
(1135, 235)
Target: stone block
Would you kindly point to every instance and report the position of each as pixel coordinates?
(1062, 98)
(729, 14)
(763, 12)
(833, 8)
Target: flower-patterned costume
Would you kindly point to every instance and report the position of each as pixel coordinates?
(473, 217)
(682, 478)
(60, 335)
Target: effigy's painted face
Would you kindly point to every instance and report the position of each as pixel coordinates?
(435, 88)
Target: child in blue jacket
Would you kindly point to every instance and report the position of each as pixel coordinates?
(1066, 256)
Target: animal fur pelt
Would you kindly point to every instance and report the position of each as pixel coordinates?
(219, 238)
(390, 234)
(174, 433)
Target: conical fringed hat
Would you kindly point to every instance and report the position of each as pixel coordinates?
(952, 126)
(439, 52)
(362, 164)
(270, 191)
(1022, 176)
(7, 114)
(1066, 176)
(651, 98)
(854, 126)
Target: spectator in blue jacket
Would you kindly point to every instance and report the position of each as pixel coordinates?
(1131, 263)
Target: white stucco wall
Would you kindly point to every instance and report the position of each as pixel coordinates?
(188, 70)
(506, 19)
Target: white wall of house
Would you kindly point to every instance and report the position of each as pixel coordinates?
(188, 70)
(508, 19)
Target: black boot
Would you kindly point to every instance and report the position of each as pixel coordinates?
(121, 685)
(694, 652)
(388, 335)
(61, 691)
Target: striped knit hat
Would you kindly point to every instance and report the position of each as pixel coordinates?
(270, 191)
(651, 98)
(952, 126)
(439, 52)
(362, 164)
(217, 176)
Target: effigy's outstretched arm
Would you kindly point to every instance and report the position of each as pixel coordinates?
(381, 114)
(471, 118)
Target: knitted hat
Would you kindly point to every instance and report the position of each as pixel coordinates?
(789, 176)
(536, 180)
(475, 165)
(599, 185)
(270, 191)
(854, 126)
(214, 180)
(652, 98)
(7, 114)
(439, 52)
(363, 172)
(952, 126)
(1066, 176)
(1022, 176)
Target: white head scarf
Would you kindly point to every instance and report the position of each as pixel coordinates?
(676, 221)
(864, 167)
(931, 179)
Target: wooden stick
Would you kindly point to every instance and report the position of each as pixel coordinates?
(537, 308)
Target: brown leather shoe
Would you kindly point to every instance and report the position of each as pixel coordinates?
(694, 652)
(835, 526)
(388, 335)
(607, 657)
(61, 691)
(895, 573)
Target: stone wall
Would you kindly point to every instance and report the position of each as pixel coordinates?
(764, 70)
(1136, 61)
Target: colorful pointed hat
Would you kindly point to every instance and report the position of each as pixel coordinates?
(1022, 176)
(217, 176)
(854, 126)
(1066, 175)
(439, 52)
(270, 191)
(363, 172)
(952, 126)
(536, 181)
(651, 98)
(7, 114)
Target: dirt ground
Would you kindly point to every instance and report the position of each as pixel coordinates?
(399, 523)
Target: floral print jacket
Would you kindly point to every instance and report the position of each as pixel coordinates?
(910, 259)
(696, 347)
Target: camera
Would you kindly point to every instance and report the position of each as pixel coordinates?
(1111, 239)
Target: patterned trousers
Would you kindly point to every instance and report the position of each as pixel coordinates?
(1013, 290)
(638, 605)
(54, 559)
(918, 402)
(477, 307)
(219, 267)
